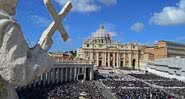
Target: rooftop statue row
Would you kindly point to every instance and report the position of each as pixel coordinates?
(19, 64)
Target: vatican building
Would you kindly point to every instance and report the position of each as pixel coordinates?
(102, 51)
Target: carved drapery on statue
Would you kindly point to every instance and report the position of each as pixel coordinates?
(19, 64)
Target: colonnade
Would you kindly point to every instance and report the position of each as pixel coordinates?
(65, 73)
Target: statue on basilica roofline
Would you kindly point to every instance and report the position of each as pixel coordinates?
(19, 64)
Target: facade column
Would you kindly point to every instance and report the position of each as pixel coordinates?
(105, 59)
(108, 59)
(97, 59)
(130, 60)
(118, 60)
(137, 61)
(91, 58)
(124, 60)
(114, 59)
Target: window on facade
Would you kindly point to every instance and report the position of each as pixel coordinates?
(87, 45)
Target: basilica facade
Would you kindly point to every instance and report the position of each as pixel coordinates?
(102, 51)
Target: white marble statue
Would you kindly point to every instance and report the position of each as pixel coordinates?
(19, 64)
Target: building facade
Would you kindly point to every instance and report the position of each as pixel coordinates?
(163, 49)
(147, 53)
(102, 51)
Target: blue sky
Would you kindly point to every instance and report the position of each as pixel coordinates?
(144, 21)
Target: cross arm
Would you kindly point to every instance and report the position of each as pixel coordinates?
(54, 25)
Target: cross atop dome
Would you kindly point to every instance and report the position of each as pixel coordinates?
(102, 26)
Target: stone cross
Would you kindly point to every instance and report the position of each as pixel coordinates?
(46, 40)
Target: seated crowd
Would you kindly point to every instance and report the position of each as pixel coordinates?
(141, 93)
(148, 76)
(71, 90)
(177, 91)
(168, 83)
(132, 86)
(114, 83)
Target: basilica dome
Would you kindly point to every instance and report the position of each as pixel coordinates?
(102, 34)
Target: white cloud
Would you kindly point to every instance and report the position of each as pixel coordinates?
(113, 34)
(69, 41)
(170, 15)
(41, 21)
(182, 4)
(87, 5)
(110, 28)
(108, 2)
(137, 27)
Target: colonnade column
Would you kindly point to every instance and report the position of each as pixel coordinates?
(91, 74)
(70, 75)
(49, 76)
(44, 79)
(58, 74)
(66, 74)
(84, 71)
(61, 74)
(53, 75)
(77, 69)
(74, 74)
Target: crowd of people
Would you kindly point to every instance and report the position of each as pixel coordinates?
(70, 90)
(168, 83)
(135, 90)
(136, 86)
(148, 76)
(114, 83)
(177, 91)
(132, 86)
(141, 93)
(172, 86)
